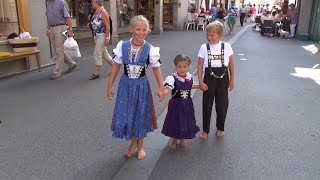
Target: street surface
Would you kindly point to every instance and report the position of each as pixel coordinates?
(61, 129)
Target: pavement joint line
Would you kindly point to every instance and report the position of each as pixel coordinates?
(143, 169)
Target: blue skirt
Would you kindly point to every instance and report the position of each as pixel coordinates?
(134, 113)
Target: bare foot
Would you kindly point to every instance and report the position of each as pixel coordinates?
(204, 136)
(183, 143)
(220, 133)
(141, 154)
(173, 145)
(131, 149)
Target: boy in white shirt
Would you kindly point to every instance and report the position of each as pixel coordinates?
(217, 62)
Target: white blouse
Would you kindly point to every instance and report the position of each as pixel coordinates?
(154, 56)
(169, 82)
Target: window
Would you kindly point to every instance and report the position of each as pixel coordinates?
(125, 11)
(9, 17)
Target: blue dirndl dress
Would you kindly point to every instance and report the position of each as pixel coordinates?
(134, 114)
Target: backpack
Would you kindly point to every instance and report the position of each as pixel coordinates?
(110, 23)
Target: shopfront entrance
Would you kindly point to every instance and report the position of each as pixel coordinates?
(168, 14)
(314, 28)
(80, 11)
(126, 9)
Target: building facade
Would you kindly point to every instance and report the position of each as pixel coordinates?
(309, 19)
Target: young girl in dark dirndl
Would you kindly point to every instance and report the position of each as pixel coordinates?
(217, 62)
(134, 113)
(180, 122)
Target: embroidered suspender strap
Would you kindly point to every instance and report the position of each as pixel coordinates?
(212, 57)
(217, 72)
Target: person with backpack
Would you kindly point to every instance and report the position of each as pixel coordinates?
(101, 30)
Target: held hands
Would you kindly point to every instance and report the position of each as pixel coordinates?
(160, 94)
(203, 86)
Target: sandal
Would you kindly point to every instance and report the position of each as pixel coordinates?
(94, 76)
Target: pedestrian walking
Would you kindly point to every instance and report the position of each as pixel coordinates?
(294, 17)
(180, 122)
(134, 113)
(253, 13)
(232, 15)
(213, 12)
(100, 25)
(217, 62)
(243, 13)
(58, 17)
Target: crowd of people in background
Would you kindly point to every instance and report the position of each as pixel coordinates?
(283, 18)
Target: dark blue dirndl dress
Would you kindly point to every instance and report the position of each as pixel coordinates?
(134, 113)
(180, 122)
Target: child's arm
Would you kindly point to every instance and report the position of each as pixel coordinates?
(114, 72)
(231, 70)
(166, 91)
(202, 85)
(158, 74)
(195, 86)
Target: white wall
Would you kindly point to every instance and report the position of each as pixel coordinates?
(38, 21)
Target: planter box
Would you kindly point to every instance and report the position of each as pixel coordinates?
(23, 45)
(303, 37)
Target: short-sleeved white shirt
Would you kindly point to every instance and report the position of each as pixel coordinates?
(154, 55)
(215, 50)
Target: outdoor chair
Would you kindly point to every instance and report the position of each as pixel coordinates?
(202, 22)
(190, 22)
(258, 23)
(268, 26)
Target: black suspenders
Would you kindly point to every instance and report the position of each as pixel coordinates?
(214, 57)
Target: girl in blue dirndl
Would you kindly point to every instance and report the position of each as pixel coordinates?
(134, 113)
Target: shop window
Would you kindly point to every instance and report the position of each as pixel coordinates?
(167, 12)
(84, 9)
(125, 11)
(9, 17)
(146, 8)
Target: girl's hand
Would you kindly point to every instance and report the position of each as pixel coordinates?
(160, 94)
(203, 87)
(110, 93)
(231, 85)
